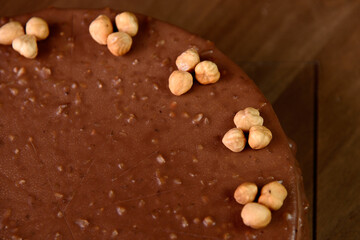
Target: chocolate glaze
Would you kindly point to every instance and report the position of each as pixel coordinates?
(94, 146)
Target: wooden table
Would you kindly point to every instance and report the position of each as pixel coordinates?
(285, 46)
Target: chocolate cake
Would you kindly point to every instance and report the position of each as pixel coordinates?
(95, 146)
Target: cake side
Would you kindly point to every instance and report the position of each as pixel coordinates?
(118, 153)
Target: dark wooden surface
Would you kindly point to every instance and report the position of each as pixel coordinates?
(290, 36)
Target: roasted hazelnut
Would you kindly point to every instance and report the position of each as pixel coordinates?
(100, 29)
(187, 60)
(10, 31)
(26, 45)
(207, 72)
(38, 27)
(247, 118)
(273, 195)
(259, 137)
(234, 140)
(245, 193)
(180, 82)
(127, 22)
(255, 215)
(119, 43)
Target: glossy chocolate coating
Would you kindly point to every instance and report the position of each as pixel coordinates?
(94, 146)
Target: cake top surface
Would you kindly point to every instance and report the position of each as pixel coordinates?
(95, 146)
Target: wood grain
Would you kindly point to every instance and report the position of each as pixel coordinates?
(293, 33)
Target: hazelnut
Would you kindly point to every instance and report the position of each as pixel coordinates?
(10, 31)
(127, 22)
(245, 119)
(234, 140)
(180, 82)
(38, 27)
(245, 193)
(273, 195)
(119, 43)
(255, 215)
(26, 45)
(187, 60)
(259, 137)
(100, 29)
(207, 72)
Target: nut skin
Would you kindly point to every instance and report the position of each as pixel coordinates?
(119, 43)
(259, 137)
(234, 140)
(187, 60)
(38, 27)
(245, 193)
(255, 215)
(100, 29)
(180, 82)
(206, 72)
(273, 195)
(10, 31)
(247, 118)
(127, 22)
(26, 45)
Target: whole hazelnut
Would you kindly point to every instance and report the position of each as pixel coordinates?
(273, 195)
(247, 118)
(119, 43)
(100, 29)
(187, 60)
(38, 27)
(10, 31)
(259, 137)
(207, 72)
(245, 193)
(26, 45)
(180, 82)
(127, 22)
(234, 140)
(255, 215)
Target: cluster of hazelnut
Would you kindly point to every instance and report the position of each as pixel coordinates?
(248, 120)
(118, 43)
(258, 215)
(181, 80)
(13, 33)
